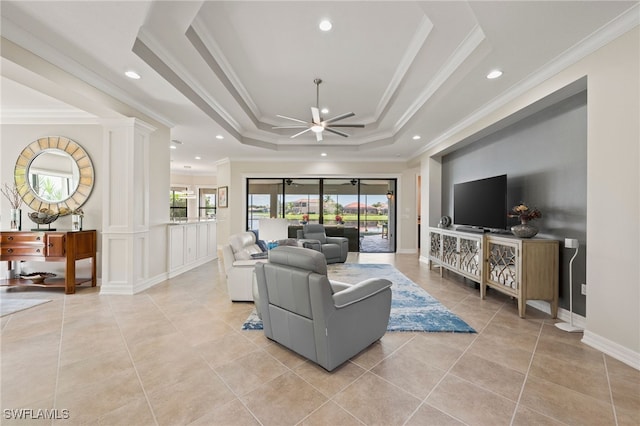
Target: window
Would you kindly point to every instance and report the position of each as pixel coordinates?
(264, 200)
(362, 209)
(207, 203)
(302, 200)
(178, 203)
(339, 197)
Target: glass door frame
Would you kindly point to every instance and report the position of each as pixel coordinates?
(319, 216)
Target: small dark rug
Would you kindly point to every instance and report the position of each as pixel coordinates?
(412, 308)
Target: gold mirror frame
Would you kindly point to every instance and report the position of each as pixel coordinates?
(77, 153)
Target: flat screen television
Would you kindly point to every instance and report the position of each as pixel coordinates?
(481, 203)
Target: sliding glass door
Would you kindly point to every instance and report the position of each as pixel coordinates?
(377, 215)
(264, 200)
(362, 210)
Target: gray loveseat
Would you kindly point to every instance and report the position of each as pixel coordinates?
(326, 322)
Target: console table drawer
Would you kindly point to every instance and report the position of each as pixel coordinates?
(20, 238)
(22, 251)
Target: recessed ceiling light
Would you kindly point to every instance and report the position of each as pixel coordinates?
(198, 158)
(323, 154)
(173, 147)
(494, 74)
(416, 137)
(325, 25)
(325, 110)
(219, 137)
(132, 74)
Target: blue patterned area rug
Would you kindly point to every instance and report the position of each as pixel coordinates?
(412, 308)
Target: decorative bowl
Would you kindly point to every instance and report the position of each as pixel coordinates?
(37, 277)
(43, 218)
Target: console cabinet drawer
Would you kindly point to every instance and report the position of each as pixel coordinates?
(21, 238)
(22, 251)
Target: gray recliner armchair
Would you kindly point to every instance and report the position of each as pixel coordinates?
(326, 322)
(313, 236)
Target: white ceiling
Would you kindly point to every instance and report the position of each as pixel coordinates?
(230, 67)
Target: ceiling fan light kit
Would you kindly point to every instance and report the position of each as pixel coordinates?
(317, 125)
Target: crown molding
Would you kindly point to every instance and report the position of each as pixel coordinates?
(466, 48)
(25, 39)
(213, 48)
(606, 34)
(418, 40)
(27, 116)
(154, 46)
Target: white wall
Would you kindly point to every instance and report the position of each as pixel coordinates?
(613, 187)
(15, 137)
(32, 71)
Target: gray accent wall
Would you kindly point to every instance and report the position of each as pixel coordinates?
(545, 159)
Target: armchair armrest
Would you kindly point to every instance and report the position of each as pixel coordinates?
(337, 286)
(338, 240)
(360, 291)
(247, 263)
(311, 244)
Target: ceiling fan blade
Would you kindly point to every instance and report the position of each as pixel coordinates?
(315, 114)
(291, 127)
(339, 117)
(336, 132)
(318, 136)
(299, 133)
(346, 125)
(292, 119)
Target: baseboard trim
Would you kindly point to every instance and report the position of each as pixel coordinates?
(613, 349)
(563, 314)
(188, 267)
(147, 284)
(407, 251)
(604, 345)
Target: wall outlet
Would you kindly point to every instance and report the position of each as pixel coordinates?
(583, 289)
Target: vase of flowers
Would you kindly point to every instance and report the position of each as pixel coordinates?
(339, 220)
(526, 214)
(305, 219)
(15, 201)
(76, 219)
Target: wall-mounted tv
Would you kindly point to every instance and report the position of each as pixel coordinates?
(481, 203)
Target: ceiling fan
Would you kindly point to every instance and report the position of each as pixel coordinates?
(317, 125)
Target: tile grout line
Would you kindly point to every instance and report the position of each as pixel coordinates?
(133, 364)
(526, 376)
(55, 388)
(448, 371)
(613, 405)
(213, 370)
(365, 371)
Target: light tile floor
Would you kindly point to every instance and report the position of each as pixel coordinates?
(175, 355)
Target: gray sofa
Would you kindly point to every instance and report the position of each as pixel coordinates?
(313, 236)
(326, 322)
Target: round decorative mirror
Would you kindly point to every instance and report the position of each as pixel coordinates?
(54, 173)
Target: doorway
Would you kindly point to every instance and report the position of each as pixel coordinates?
(363, 210)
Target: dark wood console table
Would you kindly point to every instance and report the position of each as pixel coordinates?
(50, 246)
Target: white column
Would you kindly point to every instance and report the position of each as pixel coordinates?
(125, 216)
